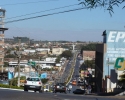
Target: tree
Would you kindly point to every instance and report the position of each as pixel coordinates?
(10, 56)
(58, 59)
(107, 4)
(89, 47)
(90, 63)
(67, 54)
(6, 64)
(44, 80)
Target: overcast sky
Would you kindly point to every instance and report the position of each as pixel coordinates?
(80, 25)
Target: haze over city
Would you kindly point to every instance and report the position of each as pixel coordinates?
(79, 25)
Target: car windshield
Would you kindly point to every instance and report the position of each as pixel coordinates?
(33, 79)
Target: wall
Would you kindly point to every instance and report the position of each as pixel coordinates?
(99, 67)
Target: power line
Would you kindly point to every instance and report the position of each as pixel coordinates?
(47, 15)
(42, 11)
(29, 2)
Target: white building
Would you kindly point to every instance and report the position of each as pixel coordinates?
(43, 49)
(57, 51)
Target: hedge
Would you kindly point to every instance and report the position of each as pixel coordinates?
(8, 86)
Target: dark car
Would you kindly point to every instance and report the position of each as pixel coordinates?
(60, 87)
(80, 83)
(79, 91)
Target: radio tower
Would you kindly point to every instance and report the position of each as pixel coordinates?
(2, 29)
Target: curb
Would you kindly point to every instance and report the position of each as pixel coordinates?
(11, 89)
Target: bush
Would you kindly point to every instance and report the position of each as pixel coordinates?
(8, 86)
(23, 78)
(13, 82)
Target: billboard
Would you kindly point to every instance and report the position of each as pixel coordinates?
(114, 50)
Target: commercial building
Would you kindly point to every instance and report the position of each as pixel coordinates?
(109, 61)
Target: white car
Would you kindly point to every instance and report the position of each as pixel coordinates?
(33, 83)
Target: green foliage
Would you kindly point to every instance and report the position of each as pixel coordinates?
(13, 82)
(44, 80)
(23, 78)
(67, 54)
(89, 63)
(89, 47)
(8, 86)
(10, 56)
(106, 4)
(6, 64)
(58, 59)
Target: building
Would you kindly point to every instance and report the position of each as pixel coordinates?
(25, 63)
(57, 51)
(109, 60)
(88, 55)
(23, 39)
(2, 29)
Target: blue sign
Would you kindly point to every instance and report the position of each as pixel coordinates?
(114, 48)
(10, 75)
(43, 75)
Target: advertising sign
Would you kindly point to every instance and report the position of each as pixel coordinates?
(115, 49)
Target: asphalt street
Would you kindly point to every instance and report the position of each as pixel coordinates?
(6, 94)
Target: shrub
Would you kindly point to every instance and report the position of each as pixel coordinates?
(8, 86)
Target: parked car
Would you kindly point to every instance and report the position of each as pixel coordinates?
(59, 87)
(4, 82)
(79, 91)
(33, 83)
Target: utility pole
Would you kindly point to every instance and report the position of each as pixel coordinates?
(19, 63)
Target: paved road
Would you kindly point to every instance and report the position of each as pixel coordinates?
(21, 95)
(76, 72)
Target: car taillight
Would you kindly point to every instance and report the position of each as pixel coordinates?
(39, 82)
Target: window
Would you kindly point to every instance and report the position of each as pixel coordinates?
(33, 79)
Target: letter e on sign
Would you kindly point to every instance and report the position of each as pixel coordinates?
(111, 37)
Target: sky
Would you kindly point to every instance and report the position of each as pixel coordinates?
(79, 25)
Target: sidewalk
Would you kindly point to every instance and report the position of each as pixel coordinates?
(106, 95)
